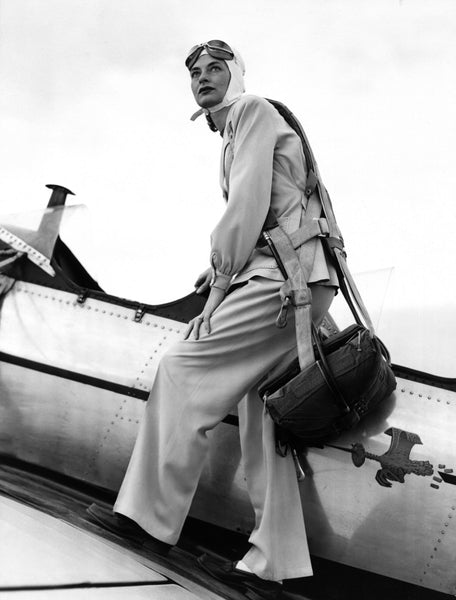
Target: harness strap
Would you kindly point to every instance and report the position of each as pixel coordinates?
(335, 242)
(295, 290)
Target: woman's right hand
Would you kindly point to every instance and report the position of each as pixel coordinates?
(203, 281)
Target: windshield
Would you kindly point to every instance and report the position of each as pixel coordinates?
(415, 321)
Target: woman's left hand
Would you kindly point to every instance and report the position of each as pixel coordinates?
(216, 296)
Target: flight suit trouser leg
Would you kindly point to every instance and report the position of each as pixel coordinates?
(198, 383)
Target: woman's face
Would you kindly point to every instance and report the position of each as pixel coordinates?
(209, 79)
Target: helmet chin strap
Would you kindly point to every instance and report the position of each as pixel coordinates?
(213, 109)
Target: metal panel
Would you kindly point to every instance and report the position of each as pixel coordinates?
(51, 327)
(38, 549)
(407, 531)
(148, 592)
(88, 433)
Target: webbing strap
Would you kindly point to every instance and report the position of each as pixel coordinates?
(353, 290)
(315, 187)
(295, 290)
(308, 231)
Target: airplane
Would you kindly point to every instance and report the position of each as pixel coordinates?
(76, 368)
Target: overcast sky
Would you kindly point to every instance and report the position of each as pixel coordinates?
(95, 96)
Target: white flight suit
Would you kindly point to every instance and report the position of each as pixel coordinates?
(199, 382)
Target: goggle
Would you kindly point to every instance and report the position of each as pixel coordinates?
(215, 48)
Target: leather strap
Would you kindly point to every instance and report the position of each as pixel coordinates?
(295, 290)
(335, 242)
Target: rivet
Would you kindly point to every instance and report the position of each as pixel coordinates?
(420, 395)
(402, 390)
(446, 524)
(103, 311)
(163, 326)
(155, 325)
(442, 532)
(411, 393)
(428, 397)
(439, 541)
(438, 399)
(148, 324)
(448, 402)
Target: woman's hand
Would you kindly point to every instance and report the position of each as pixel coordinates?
(216, 296)
(203, 281)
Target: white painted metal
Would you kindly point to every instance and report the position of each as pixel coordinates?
(168, 592)
(88, 432)
(407, 531)
(38, 549)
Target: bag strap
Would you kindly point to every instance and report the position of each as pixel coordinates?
(329, 229)
(294, 291)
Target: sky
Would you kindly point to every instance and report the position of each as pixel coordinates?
(96, 97)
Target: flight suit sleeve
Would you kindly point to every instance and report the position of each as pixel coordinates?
(249, 189)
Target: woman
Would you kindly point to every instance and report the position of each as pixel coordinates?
(233, 343)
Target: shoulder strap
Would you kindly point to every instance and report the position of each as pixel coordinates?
(333, 240)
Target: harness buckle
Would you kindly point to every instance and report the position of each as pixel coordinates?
(281, 320)
(301, 297)
(324, 229)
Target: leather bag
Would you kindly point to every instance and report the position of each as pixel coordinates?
(350, 377)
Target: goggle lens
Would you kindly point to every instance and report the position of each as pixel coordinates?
(215, 48)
